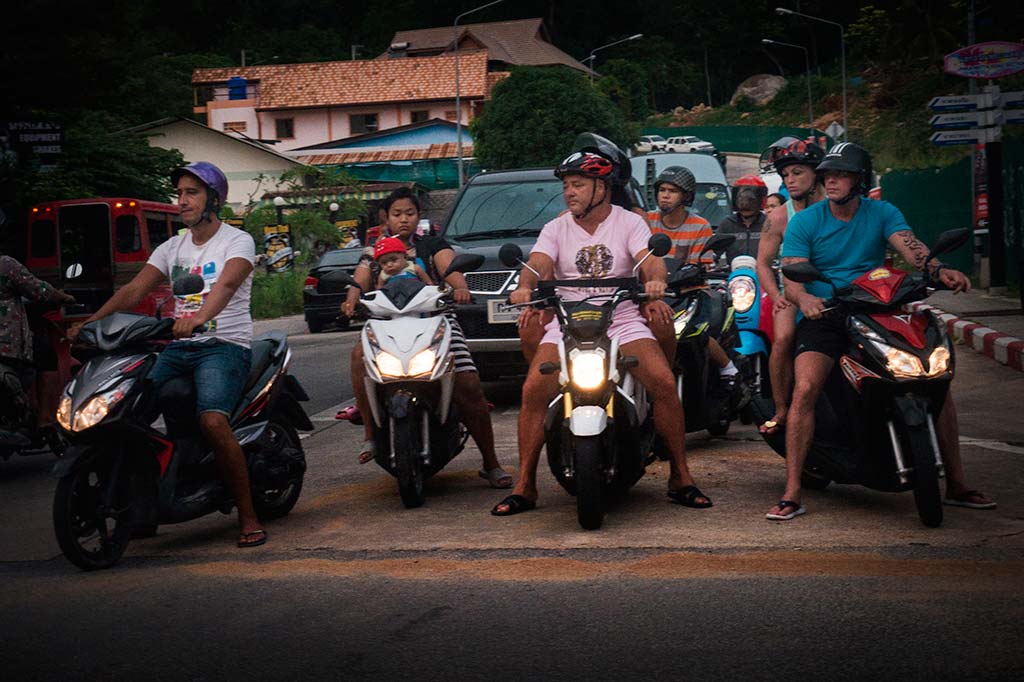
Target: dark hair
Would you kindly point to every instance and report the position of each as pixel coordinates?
(780, 197)
(398, 194)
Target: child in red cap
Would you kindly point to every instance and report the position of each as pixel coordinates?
(391, 256)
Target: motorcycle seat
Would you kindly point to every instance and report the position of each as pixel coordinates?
(265, 348)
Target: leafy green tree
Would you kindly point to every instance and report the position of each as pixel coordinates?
(625, 83)
(98, 161)
(536, 113)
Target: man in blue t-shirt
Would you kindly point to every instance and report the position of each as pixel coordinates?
(845, 237)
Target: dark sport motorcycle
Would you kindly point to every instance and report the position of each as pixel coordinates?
(599, 429)
(702, 310)
(122, 477)
(875, 419)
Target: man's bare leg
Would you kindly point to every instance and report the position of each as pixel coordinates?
(665, 335)
(538, 391)
(811, 371)
(358, 371)
(669, 421)
(780, 364)
(948, 432)
(232, 467)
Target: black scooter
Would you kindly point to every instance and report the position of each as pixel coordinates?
(875, 420)
(122, 477)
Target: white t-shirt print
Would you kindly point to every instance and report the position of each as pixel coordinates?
(179, 256)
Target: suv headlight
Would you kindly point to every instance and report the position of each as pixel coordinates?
(743, 290)
(586, 369)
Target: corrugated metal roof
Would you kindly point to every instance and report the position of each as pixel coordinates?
(448, 150)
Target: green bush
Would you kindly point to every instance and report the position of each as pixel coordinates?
(277, 294)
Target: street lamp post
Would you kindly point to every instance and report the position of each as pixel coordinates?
(279, 207)
(590, 59)
(842, 55)
(807, 66)
(458, 99)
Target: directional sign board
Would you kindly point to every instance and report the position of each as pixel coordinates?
(965, 120)
(1011, 116)
(962, 102)
(1012, 99)
(976, 136)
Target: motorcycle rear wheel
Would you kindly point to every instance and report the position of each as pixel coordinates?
(408, 463)
(590, 482)
(81, 522)
(277, 503)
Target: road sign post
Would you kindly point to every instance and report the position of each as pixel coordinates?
(977, 119)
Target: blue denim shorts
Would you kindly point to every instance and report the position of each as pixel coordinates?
(218, 370)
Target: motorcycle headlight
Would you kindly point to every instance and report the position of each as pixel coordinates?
(900, 362)
(938, 361)
(683, 318)
(389, 365)
(64, 413)
(422, 362)
(586, 369)
(96, 410)
(743, 290)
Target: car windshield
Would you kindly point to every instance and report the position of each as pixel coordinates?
(507, 208)
(711, 202)
(657, 138)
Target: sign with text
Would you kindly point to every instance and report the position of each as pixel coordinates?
(975, 136)
(41, 140)
(962, 102)
(974, 119)
(986, 60)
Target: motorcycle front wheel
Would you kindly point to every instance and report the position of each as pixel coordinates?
(92, 512)
(927, 497)
(590, 482)
(408, 463)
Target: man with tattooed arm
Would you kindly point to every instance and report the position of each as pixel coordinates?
(844, 237)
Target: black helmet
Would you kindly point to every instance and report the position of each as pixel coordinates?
(797, 152)
(850, 157)
(592, 142)
(767, 160)
(682, 178)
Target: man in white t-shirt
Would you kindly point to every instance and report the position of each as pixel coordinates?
(218, 356)
(597, 240)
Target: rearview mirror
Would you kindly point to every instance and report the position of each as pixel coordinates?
(188, 284)
(719, 242)
(338, 277)
(464, 262)
(510, 255)
(659, 244)
(950, 240)
(804, 273)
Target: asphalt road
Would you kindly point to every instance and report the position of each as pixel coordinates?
(353, 586)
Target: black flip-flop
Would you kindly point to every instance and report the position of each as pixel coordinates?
(688, 496)
(243, 538)
(517, 504)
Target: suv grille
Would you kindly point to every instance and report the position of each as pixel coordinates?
(475, 326)
(488, 282)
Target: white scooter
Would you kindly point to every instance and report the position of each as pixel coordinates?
(410, 373)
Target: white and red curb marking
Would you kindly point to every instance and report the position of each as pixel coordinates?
(1009, 350)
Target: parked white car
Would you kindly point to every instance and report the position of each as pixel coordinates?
(687, 143)
(650, 143)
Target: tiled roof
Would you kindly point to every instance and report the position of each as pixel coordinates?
(369, 81)
(514, 42)
(448, 150)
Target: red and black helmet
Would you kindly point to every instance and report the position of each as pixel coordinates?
(750, 192)
(797, 152)
(587, 164)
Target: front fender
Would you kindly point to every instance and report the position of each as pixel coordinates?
(751, 343)
(288, 406)
(588, 420)
(69, 461)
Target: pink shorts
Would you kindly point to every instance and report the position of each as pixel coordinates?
(627, 325)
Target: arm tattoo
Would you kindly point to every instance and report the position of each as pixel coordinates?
(913, 249)
(767, 225)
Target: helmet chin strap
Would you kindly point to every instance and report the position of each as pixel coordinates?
(209, 210)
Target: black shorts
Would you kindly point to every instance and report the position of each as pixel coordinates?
(826, 335)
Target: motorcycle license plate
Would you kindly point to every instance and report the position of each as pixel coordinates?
(499, 313)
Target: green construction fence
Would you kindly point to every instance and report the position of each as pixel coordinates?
(741, 139)
(430, 173)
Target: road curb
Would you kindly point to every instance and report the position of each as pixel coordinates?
(1003, 348)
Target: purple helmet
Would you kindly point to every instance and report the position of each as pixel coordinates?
(209, 175)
